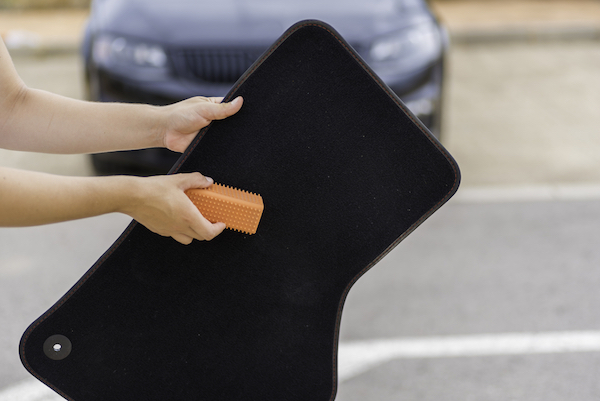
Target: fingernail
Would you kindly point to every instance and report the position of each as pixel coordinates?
(210, 180)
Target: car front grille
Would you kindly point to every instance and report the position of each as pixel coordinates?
(214, 65)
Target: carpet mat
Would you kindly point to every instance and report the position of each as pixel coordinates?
(346, 172)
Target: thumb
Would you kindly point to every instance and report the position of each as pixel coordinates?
(223, 110)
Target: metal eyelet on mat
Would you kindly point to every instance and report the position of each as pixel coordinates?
(57, 347)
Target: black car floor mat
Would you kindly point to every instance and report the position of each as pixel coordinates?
(346, 173)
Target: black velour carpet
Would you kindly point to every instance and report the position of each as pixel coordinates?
(345, 172)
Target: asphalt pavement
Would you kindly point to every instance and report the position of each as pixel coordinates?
(494, 297)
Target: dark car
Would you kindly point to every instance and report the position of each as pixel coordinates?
(160, 52)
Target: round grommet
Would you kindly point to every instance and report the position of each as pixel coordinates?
(57, 347)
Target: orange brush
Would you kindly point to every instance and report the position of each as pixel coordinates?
(239, 210)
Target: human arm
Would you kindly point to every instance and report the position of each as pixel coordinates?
(159, 203)
(39, 121)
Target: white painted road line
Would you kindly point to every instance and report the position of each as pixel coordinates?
(358, 357)
(530, 193)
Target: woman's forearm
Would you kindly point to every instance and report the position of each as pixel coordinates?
(31, 198)
(35, 120)
(40, 121)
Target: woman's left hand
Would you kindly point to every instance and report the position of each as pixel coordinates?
(184, 119)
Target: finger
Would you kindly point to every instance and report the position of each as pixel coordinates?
(204, 230)
(182, 238)
(200, 227)
(223, 110)
(213, 230)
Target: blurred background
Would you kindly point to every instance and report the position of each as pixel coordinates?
(516, 250)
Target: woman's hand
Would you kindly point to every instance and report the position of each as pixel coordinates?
(184, 119)
(161, 205)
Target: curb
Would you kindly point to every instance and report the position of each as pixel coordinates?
(54, 49)
(458, 36)
(525, 34)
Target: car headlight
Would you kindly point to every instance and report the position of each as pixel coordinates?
(410, 47)
(119, 52)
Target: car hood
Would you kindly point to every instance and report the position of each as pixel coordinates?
(195, 22)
